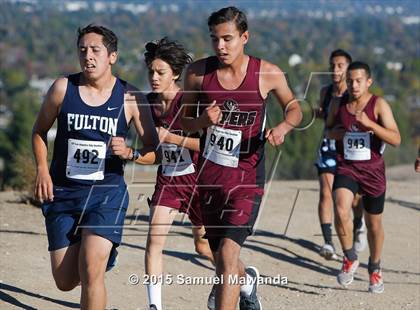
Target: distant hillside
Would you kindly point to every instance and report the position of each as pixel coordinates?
(38, 43)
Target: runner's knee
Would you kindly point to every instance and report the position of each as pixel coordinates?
(64, 283)
(155, 244)
(374, 225)
(202, 247)
(342, 211)
(228, 257)
(325, 195)
(93, 266)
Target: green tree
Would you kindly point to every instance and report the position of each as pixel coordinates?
(19, 168)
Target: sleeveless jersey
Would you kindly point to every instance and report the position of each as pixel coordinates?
(232, 152)
(327, 145)
(178, 163)
(359, 145)
(327, 100)
(81, 156)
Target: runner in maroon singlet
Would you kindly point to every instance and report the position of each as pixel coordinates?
(176, 178)
(231, 88)
(363, 124)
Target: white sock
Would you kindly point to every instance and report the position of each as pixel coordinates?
(246, 289)
(154, 292)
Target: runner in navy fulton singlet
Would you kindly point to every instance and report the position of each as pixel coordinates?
(83, 193)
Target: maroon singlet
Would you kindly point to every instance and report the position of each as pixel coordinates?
(243, 111)
(369, 173)
(175, 191)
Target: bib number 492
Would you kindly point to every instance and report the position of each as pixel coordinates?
(84, 157)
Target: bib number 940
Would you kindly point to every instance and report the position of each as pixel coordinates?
(223, 146)
(223, 143)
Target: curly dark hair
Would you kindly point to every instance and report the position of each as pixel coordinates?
(171, 52)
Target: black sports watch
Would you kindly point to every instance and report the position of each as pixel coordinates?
(136, 154)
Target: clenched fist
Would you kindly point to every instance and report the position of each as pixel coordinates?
(211, 115)
(275, 136)
(362, 118)
(119, 148)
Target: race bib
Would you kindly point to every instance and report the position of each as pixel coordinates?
(85, 159)
(176, 160)
(357, 146)
(223, 146)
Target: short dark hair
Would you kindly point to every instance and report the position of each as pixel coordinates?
(229, 14)
(171, 52)
(339, 52)
(355, 65)
(109, 39)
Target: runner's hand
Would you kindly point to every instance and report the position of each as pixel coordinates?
(275, 136)
(43, 186)
(417, 164)
(119, 148)
(163, 134)
(362, 118)
(211, 115)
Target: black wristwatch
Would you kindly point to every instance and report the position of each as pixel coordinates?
(136, 154)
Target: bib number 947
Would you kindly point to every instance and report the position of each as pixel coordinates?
(176, 160)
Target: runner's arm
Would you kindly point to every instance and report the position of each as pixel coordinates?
(387, 130)
(319, 112)
(168, 137)
(143, 122)
(192, 87)
(274, 80)
(332, 129)
(47, 115)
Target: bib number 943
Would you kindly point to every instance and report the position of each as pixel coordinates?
(357, 146)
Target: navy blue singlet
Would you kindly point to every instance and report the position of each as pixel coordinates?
(81, 155)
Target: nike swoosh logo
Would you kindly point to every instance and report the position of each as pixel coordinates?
(110, 109)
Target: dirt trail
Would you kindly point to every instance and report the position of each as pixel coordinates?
(26, 281)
